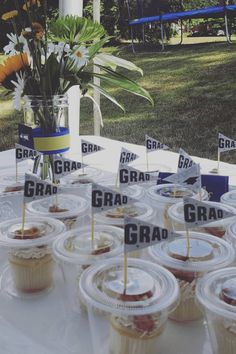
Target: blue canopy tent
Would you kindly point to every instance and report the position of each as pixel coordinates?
(208, 12)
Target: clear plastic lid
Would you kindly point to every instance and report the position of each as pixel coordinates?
(83, 176)
(172, 193)
(76, 247)
(38, 231)
(60, 207)
(116, 216)
(231, 230)
(229, 198)
(176, 213)
(207, 253)
(216, 291)
(150, 288)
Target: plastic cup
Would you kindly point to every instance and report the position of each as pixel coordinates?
(74, 252)
(229, 198)
(216, 294)
(231, 234)
(115, 217)
(161, 197)
(217, 228)
(29, 253)
(8, 182)
(207, 253)
(65, 207)
(133, 321)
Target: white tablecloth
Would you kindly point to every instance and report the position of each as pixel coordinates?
(42, 325)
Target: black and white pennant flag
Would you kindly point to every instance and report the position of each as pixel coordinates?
(129, 175)
(63, 167)
(105, 198)
(24, 153)
(88, 148)
(35, 188)
(198, 213)
(140, 234)
(190, 178)
(225, 144)
(153, 144)
(127, 156)
(185, 161)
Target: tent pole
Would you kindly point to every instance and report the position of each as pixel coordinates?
(181, 31)
(227, 28)
(162, 36)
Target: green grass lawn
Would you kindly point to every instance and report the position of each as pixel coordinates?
(194, 88)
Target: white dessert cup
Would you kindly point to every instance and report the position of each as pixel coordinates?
(206, 253)
(217, 228)
(229, 198)
(216, 295)
(29, 253)
(133, 321)
(74, 251)
(161, 197)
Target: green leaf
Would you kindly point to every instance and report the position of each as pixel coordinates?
(119, 80)
(51, 75)
(113, 61)
(107, 95)
(94, 48)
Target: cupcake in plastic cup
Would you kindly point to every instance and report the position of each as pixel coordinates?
(75, 252)
(129, 322)
(216, 294)
(65, 207)
(115, 216)
(207, 253)
(161, 197)
(216, 228)
(9, 184)
(29, 252)
(229, 198)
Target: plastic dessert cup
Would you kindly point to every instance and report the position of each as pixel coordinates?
(75, 252)
(216, 294)
(130, 322)
(207, 253)
(29, 252)
(116, 216)
(9, 184)
(217, 228)
(229, 198)
(65, 207)
(161, 197)
(231, 234)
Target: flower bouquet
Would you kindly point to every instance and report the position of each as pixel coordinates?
(46, 58)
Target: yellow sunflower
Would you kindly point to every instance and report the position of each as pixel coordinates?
(9, 15)
(12, 65)
(31, 3)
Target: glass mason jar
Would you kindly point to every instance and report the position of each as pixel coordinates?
(48, 118)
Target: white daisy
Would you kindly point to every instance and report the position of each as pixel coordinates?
(58, 49)
(16, 45)
(18, 91)
(79, 56)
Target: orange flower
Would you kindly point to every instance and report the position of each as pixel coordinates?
(13, 64)
(9, 15)
(31, 3)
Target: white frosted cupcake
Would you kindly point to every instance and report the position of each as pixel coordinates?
(216, 293)
(133, 320)
(29, 250)
(65, 207)
(207, 253)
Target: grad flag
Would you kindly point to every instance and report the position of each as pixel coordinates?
(185, 161)
(225, 144)
(190, 178)
(140, 234)
(129, 175)
(25, 153)
(88, 148)
(127, 156)
(153, 144)
(105, 198)
(35, 188)
(198, 213)
(63, 166)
